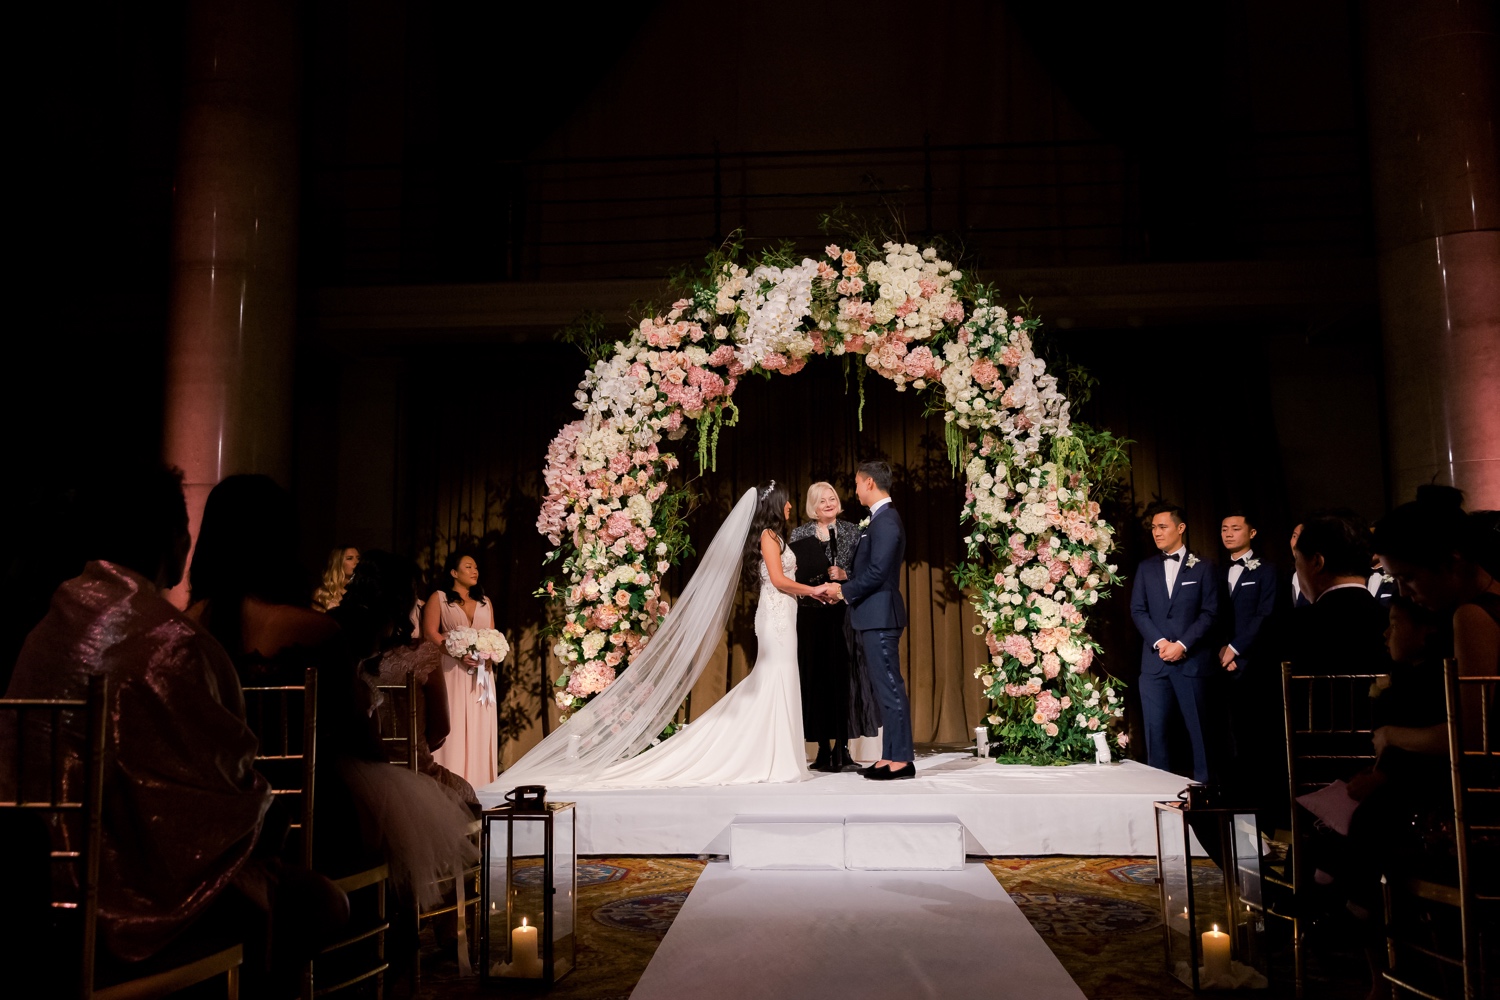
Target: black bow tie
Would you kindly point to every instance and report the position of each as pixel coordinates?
(1238, 562)
(1173, 557)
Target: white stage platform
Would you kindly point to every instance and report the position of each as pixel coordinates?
(874, 935)
(1008, 810)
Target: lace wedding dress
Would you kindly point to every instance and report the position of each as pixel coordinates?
(752, 734)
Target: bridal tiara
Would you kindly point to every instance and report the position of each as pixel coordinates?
(767, 491)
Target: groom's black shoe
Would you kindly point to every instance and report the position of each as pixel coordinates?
(824, 761)
(907, 770)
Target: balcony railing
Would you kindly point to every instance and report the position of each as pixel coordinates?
(1015, 204)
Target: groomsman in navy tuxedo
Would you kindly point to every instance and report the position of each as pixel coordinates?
(1248, 595)
(1174, 604)
(1250, 585)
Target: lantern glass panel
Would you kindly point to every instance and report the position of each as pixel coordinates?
(565, 892)
(1249, 910)
(1174, 868)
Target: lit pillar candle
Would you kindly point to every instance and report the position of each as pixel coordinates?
(1215, 956)
(525, 960)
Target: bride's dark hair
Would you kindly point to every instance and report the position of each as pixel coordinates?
(770, 512)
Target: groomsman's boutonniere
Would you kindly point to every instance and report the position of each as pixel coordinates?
(1252, 564)
(1386, 577)
(1192, 560)
(864, 524)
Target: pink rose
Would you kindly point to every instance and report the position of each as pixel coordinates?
(622, 598)
(1050, 728)
(1123, 739)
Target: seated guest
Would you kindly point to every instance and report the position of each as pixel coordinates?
(249, 591)
(419, 824)
(1446, 561)
(183, 803)
(1174, 604)
(244, 577)
(341, 564)
(1340, 632)
(1404, 795)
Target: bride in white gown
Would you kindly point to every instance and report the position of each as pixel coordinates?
(752, 734)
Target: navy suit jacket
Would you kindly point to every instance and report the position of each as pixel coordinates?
(1187, 616)
(1247, 609)
(873, 589)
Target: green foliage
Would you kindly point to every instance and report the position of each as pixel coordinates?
(1102, 458)
(590, 334)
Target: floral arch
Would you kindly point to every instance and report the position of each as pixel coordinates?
(1037, 549)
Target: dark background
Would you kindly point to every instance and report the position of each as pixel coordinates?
(1152, 169)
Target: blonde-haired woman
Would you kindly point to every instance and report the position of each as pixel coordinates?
(342, 562)
(837, 703)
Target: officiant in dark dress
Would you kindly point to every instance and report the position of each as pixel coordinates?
(837, 702)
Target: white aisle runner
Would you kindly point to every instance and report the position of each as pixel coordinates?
(866, 935)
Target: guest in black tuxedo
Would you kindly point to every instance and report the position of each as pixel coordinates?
(1248, 598)
(1341, 632)
(1299, 599)
(1174, 603)
(1381, 584)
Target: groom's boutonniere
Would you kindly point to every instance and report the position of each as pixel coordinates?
(864, 524)
(1192, 560)
(1252, 564)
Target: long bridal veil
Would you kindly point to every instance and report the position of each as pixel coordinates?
(624, 719)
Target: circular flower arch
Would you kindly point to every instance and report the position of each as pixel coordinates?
(1036, 548)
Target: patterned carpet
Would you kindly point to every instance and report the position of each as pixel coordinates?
(1098, 915)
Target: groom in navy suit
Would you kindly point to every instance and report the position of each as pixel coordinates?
(878, 615)
(1174, 603)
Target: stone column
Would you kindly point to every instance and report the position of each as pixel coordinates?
(233, 316)
(1432, 79)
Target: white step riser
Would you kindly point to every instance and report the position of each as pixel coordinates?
(933, 843)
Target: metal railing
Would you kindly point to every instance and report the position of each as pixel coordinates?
(1012, 204)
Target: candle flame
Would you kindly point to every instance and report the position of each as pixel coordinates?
(523, 923)
(1216, 927)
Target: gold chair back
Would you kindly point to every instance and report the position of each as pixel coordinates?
(70, 804)
(398, 721)
(284, 717)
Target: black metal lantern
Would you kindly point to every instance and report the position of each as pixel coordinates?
(529, 894)
(1214, 930)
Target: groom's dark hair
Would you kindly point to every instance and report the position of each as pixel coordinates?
(879, 472)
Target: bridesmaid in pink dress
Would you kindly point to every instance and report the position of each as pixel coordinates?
(473, 745)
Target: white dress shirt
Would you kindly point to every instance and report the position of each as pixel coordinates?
(1376, 581)
(1341, 586)
(1172, 566)
(1237, 568)
(875, 507)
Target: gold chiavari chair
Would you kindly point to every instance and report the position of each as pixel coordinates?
(402, 748)
(1328, 722)
(284, 718)
(398, 718)
(75, 829)
(1418, 964)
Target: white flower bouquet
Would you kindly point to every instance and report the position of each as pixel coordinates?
(477, 643)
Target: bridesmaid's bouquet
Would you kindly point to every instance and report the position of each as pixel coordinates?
(477, 643)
